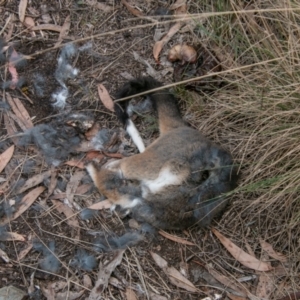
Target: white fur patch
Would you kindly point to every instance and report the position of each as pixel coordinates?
(92, 172)
(165, 178)
(135, 135)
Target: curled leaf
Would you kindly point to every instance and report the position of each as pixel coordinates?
(105, 97)
(184, 53)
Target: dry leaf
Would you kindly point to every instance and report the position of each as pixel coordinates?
(50, 27)
(25, 203)
(105, 270)
(154, 296)
(27, 249)
(265, 286)
(132, 10)
(11, 129)
(99, 5)
(175, 276)
(53, 183)
(22, 10)
(4, 256)
(6, 156)
(33, 181)
(130, 294)
(68, 212)
(94, 155)
(75, 163)
(87, 281)
(73, 184)
(105, 97)
(227, 282)
(240, 255)
(174, 238)
(82, 189)
(19, 109)
(291, 296)
(12, 236)
(234, 297)
(101, 205)
(159, 45)
(271, 252)
(113, 155)
(64, 31)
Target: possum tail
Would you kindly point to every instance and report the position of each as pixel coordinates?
(163, 101)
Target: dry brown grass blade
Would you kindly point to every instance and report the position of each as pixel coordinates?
(175, 276)
(6, 156)
(174, 238)
(25, 203)
(105, 270)
(75, 163)
(73, 184)
(105, 97)
(34, 181)
(64, 30)
(71, 217)
(132, 10)
(12, 236)
(130, 294)
(101, 205)
(50, 27)
(99, 5)
(240, 255)
(177, 4)
(22, 10)
(271, 252)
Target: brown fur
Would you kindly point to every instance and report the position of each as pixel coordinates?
(188, 173)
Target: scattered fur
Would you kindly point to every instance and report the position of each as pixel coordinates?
(49, 262)
(129, 239)
(84, 261)
(55, 140)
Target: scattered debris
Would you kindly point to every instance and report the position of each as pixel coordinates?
(24, 204)
(174, 276)
(240, 255)
(105, 270)
(6, 156)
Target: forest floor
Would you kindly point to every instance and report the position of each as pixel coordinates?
(58, 58)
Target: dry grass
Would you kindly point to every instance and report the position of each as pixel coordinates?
(256, 115)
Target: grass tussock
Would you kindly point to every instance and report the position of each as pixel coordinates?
(256, 115)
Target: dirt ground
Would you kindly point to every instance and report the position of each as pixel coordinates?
(105, 39)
